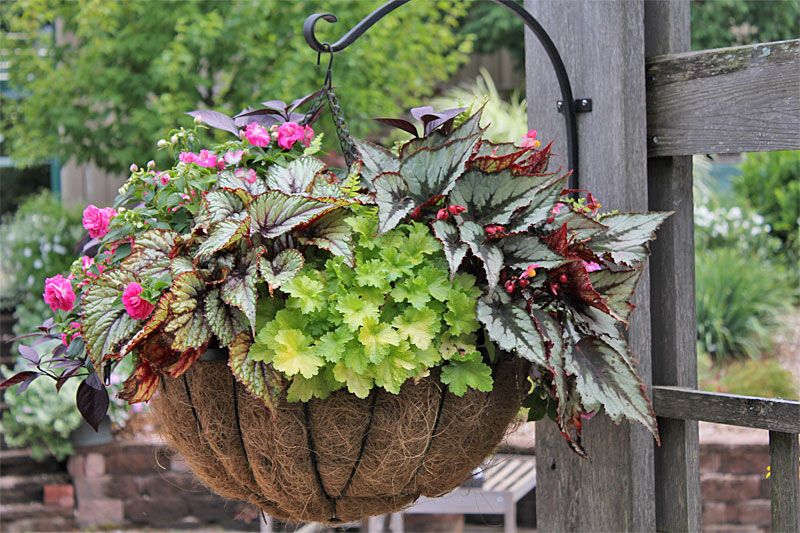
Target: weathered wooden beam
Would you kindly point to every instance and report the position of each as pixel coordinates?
(742, 99)
(762, 413)
(672, 299)
(602, 44)
(784, 453)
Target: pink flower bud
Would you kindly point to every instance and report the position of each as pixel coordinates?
(442, 214)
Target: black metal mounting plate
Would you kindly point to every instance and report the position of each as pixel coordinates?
(582, 105)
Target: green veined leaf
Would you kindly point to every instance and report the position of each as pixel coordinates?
(330, 232)
(275, 213)
(617, 288)
(376, 160)
(541, 205)
(511, 328)
(392, 197)
(580, 226)
(522, 250)
(229, 180)
(222, 204)
(239, 291)
(225, 321)
(187, 322)
(281, 269)
(150, 257)
(487, 251)
(628, 235)
(258, 378)
(181, 265)
(493, 198)
(296, 177)
(470, 373)
(106, 326)
(223, 235)
(604, 378)
(454, 249)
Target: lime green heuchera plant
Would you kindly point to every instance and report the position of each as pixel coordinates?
(445, 253)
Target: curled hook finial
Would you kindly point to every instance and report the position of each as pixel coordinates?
(308, 31)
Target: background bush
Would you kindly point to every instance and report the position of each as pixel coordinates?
(752, 377)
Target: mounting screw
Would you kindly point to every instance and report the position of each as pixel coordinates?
(654, 140)
(583, 105)
(560, 105)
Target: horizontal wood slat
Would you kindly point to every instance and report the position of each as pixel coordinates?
(742, 99)
(687, 404)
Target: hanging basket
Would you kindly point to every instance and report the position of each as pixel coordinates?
(338, 459)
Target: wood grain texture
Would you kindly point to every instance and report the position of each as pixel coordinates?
(745, 411)
(672, 311)
(602, 44)
(741, 99)
(784, 453)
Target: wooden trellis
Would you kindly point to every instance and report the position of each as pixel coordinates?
(655, 104)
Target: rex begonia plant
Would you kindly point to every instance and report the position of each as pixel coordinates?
(440, 255)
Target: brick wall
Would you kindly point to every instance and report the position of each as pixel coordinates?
(735, 491)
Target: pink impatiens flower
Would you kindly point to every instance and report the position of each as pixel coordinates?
(96, 220)
(206, 159)
(163, 178)
(249, 175)
(530, 140)
(289, 133)
(233, 157)
(308, 135)
(136, 306)
(58, 293)
(557, 208)
(257, 135)
(187, 157)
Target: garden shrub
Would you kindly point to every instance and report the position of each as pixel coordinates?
(765, 378)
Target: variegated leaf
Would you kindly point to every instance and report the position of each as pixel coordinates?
(275, 213)
(470, 129)
(106, 326)
(522, 250)
(239, 291)
(581, 227)
(222, 204)
(258, 378)
(392, 197)
(181, 265)
(487, 251)
(493, 199)
(224, 234)
(296, 177)
(511, 328)
(150, 256)
(605, 379)
(282, 268)
(454, 249)
(154, 321)
(225, 321)
(330, 232)
(491, 157)
(229, 180)
(617, 288)
(628, 235)
(187, 322)
(541, 205)
(376, 160)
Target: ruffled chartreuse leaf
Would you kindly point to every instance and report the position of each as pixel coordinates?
(355, 310)
(281, 268)
(302, 389)
(460, 314)
(470, 372)
(377, 337)
(332, 345)
(306, 292)
(395, 368)
(258, 378)
(295, 355)
(356, 382)
(418, 326)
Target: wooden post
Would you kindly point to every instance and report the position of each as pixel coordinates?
(672, 313)
(784, 455)
(602, 44)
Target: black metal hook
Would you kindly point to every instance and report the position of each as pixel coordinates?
(568, 105)
(329, 72)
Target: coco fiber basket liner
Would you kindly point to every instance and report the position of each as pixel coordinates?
(338, 459)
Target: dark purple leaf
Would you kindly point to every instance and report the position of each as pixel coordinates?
(27, 335)
(23, 377)
(215, 119)
(265, 120)
(400, 124)
(419, 112)
(302, 100)
(94, 381)
(65, 363)
(60, 350)
(296, 117)
(278, 105)
(65, 376)
(90, 248)
(29, 353)
(92, 403)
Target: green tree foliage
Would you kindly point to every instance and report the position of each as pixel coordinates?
(126, 71)
(720, 23)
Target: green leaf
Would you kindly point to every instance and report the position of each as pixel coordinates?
(306, 293)
(454, 249)
(333, 345)
(511, 328)
(493, 198)
(356, 310)
(471, 373)
(275, 213)
(239, 291)
(187, 321)
(258, 378)
(376, 160)
(394, 369)
(377, 337)
(419, 326)
(522, 250)
(330, 232)
(392, 197)
(222, 204)
(223, 235)
(625, 242)
(106, 326)
(488, 252)
(372, 273)
(605, 378)
(460, 315)
(295, 355)
(303, 389)
(296, 177)
(150, 257)
(281, 269)
(357, 383)
(541, 204)
(225, 322)
(617, 288)
(413, 290)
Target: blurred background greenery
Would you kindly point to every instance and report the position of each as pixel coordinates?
(98, 81)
